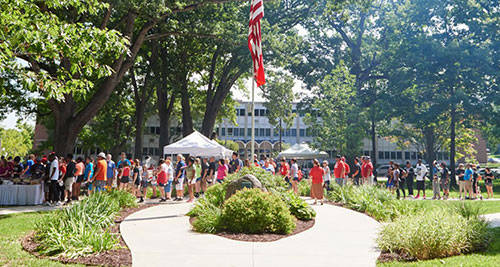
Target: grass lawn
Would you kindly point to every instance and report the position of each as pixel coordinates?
(13, 227)
(490, 257)
(487, 207)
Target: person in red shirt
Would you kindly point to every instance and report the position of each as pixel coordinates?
(99, 178)
(284, 171)
(316, 173)
(347, 170)
(366, 170)
(339, 171)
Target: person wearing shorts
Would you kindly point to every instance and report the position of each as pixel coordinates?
(180, 174)
(69, 179)
(488, 182)
(420, 171)
(99, 179)
(445, 181)
(124, 176)
(191, 177)
(461, 182)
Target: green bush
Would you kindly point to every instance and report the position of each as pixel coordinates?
(81, 228)
(125, 199)
(298, 207)
(434, 234)
(304, 188)
(254, 212)
(214, 197)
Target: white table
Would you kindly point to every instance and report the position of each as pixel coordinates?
(17, 195)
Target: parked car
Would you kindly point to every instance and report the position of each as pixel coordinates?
(493, 160)
(382, 170)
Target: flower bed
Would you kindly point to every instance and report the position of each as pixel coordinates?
(251, 211)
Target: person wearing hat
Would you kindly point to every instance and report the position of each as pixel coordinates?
(99, 178)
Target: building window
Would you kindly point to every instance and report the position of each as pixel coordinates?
(268, 132)
(393, 154)
(262, 112)
(240, 112)
(407, 154)
(223, 132)
(236, 132)
(381, 154)
(294, 132)
(152, 130)
(399, 155)
(302, 132)
(262, 132)
(387, 155)
(229, 131)
(413, 155)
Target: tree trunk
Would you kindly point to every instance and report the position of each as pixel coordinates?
(139, 129)
(280, 135)
(165, 108)
(187, 118)
(452, 145)
(429, 148)
(374, 139)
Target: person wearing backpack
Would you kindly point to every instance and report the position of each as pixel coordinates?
(445, 181)
(69, 178)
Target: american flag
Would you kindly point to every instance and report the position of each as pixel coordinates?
(254, 41)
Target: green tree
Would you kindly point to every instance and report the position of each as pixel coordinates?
(332, 113)
(16, 142)
(279, 96)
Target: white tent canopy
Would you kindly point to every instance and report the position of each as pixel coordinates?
(302, 151)
(198, 145)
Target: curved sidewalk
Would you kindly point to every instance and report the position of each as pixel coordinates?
(161, 235)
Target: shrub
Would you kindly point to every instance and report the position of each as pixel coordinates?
(81, 228)
(214, 197)
(254, 212)
(433, 234)
(125, 199)
(298, 207)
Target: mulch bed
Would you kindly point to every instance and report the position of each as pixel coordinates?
(301, 227)
(388, 257)
(115, 257)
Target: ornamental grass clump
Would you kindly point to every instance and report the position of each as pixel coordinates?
(433, 234)
(252, 211)
(82, 228)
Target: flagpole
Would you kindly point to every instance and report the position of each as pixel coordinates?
(252, 146)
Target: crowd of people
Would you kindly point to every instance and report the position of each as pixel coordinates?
(66, 179)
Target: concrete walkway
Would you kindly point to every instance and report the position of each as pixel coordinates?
(494, 219)
(162, 235)
(19, 209)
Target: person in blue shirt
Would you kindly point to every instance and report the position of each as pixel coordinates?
(468, 180)
(110, 171)
(89, 172)
(30, 162)
(180, 173)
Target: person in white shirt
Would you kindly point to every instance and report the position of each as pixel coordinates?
(326, 176)
(294, 174)
(420, 171)
(54, 193)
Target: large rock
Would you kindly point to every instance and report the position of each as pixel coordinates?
(247, 181)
